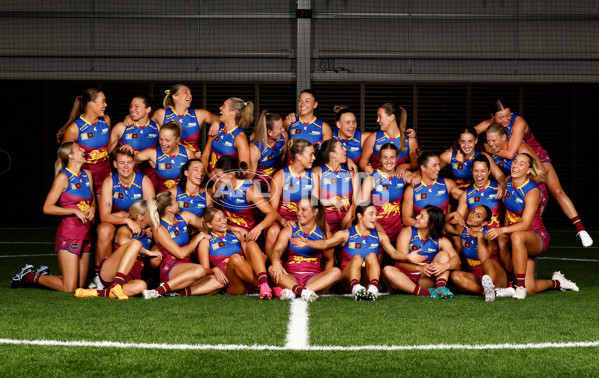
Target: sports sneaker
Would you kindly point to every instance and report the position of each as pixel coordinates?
(277, 291)
(372, 293)
(43, 270)
(585, 238)
(19, 279)
(150, 294)
(265, 291)
(441, 293)
(85, 293)
(358, 292)
(489, 287)
(520, 293)
(117, 293)
(96, 283)
(287, 295)
(565, 283)
(309, 296)
(504, 292)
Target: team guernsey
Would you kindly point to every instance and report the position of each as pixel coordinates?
(504, 163)
(358, 244)
(470, 252)
(178, 232)
(140, 137)
(336, 184)
(387, 196)
(304, 259)
(462, 171)
(190, 128)
(270, 158)
(195, 204)
(72, 234)
(222, 248)
(514, 204)
(168, 167)
(436, 194)
(353, 145)
(311, 131)
(123, 196)
(239, 211)
(94, 138)
(381, 139)
(295, 187)
(224, 144)
(429, 247)
(529, 139)
(486, 196)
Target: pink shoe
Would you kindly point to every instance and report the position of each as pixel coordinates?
(277, 291)
(265, 291)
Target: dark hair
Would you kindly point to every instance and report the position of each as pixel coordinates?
(483, 159)
(168, 98)
(120, 151)
(172, 126)
(228, 164)
(325, 150)
(489, 215)
(321, 220)
(340, 110)
(436, 221)
(497, 106)
(479, 146)
(361, 209)
(146, 99)
(297, 147)
(79, 107)
(390, 146)
(401, 120)
(310, 92)
(182, 177)
(425, 156)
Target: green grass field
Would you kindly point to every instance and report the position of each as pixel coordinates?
(356, 338)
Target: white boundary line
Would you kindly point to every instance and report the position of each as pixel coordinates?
(297, 328)
(567, 259)
(112, 344)
(37, 255)
(22, 242)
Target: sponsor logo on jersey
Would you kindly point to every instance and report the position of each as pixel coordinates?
(354, 245)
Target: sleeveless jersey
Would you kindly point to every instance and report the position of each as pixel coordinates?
(462, 172)
(527, 137)
(504, 164)
(430, 246)
(381, 139)
(270, 157)
(194, 204)
(222, 248)
(387, 196)
(353, 145)
(168, 167)
(77, 195)
(514, 204)
(436, 195)
(190, 128)
(470, 247)
(224, 144)
(123, 197)
(144, 239)
(305, 259)
(140, 137)
(178, 232)
(294, 188)
(336, 185)
(476, 197)
(358, 244)
(94, 139)
(239, 211)
(312, 131)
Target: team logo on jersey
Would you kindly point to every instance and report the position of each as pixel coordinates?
(118, 196)
(87, 136)
(296, 131)
(76, 186)
(165, 166)
(441, 192)
(354, 245)
(413, 247)
(216, 138)
(421, 196)
(191, 124)
(519, 200)
(174, 234)
(183, 204)
(330, 180)
(151, 136)
(467, 244)
(374, 246)
(104, 131)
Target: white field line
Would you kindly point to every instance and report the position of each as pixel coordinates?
(23, 242)
(36, 255)
(112, 344)
(297, 328)
(567, 259)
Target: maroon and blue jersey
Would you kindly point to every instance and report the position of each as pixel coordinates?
(294, 189)
(470, 246)
(304, 259)
(437, 195)
(222, 248)
(190, 128)
(194, 204)
(358, 244)
(486, 196)
(336, 184)
(168, 167)
(462, 171)
(144, 239)
(77, 195)
(311, 131)
(387, 195)
(224, 144)
(140, 137)
(239, 211)
(353, 145)
(94, 140)
(178, 232)
(504, 163)
(430, 246)
(124, 196)
(270, 157)
(514, 203)
(529, 139)
(381, 139)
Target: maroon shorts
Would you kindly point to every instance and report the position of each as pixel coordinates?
(414, 276)
(134, 273)
(74, 246)
(544, 237)
(303, 278)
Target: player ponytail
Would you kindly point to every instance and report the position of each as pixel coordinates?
(401, 119)
(266, 123)
(138, 208)
(538, 176)
(79, 107)
(325, 150)
(297, 147)
(62, 157)
(168, 98)
(244, 111)
(157, 207)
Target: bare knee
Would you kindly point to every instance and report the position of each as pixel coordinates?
(517, 238)
(273, 232)
(105, 231)
(236, 261)
(198, 271)
(372, 259)
(357, 259)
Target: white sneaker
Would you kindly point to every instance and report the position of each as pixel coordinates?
(585, 238)
(504, 292)
(358, 292)
(520, 293)
(287, 295)
(565, 283)
(309, 296)
(150, 294)
(96, 283)
(489, 287)
(372, 293)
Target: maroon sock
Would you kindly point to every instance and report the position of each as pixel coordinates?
(103, 293)
(297, 289)
(262, 278)
(556, 285)
(163, 289)
(421, 291)
(185, 292)
(577, 223)
(353, 283)
(375, 283)
(520, 278)
(441, 282)
(30, 277)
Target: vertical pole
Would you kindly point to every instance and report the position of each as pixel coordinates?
(304, 48)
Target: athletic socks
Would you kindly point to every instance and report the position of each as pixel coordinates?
(119, 279)
(185, 292)
(577, 223)
(297, 289)
(375, 283)
(32, 277)
(520, 280)
(441, 282)
(162, 289)
(421, 291)
(262, 278)
(556, 285)
(353, 283)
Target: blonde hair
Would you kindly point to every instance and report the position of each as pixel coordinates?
(173, 126)
(209, 215)
(79, 107)
(297, 147)
(168, 99)
(62, 157)
(157, 207)
(538, 176)
(139, 207)
(496, 128)
(244, 111)
(266, 122)
(401, 118)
